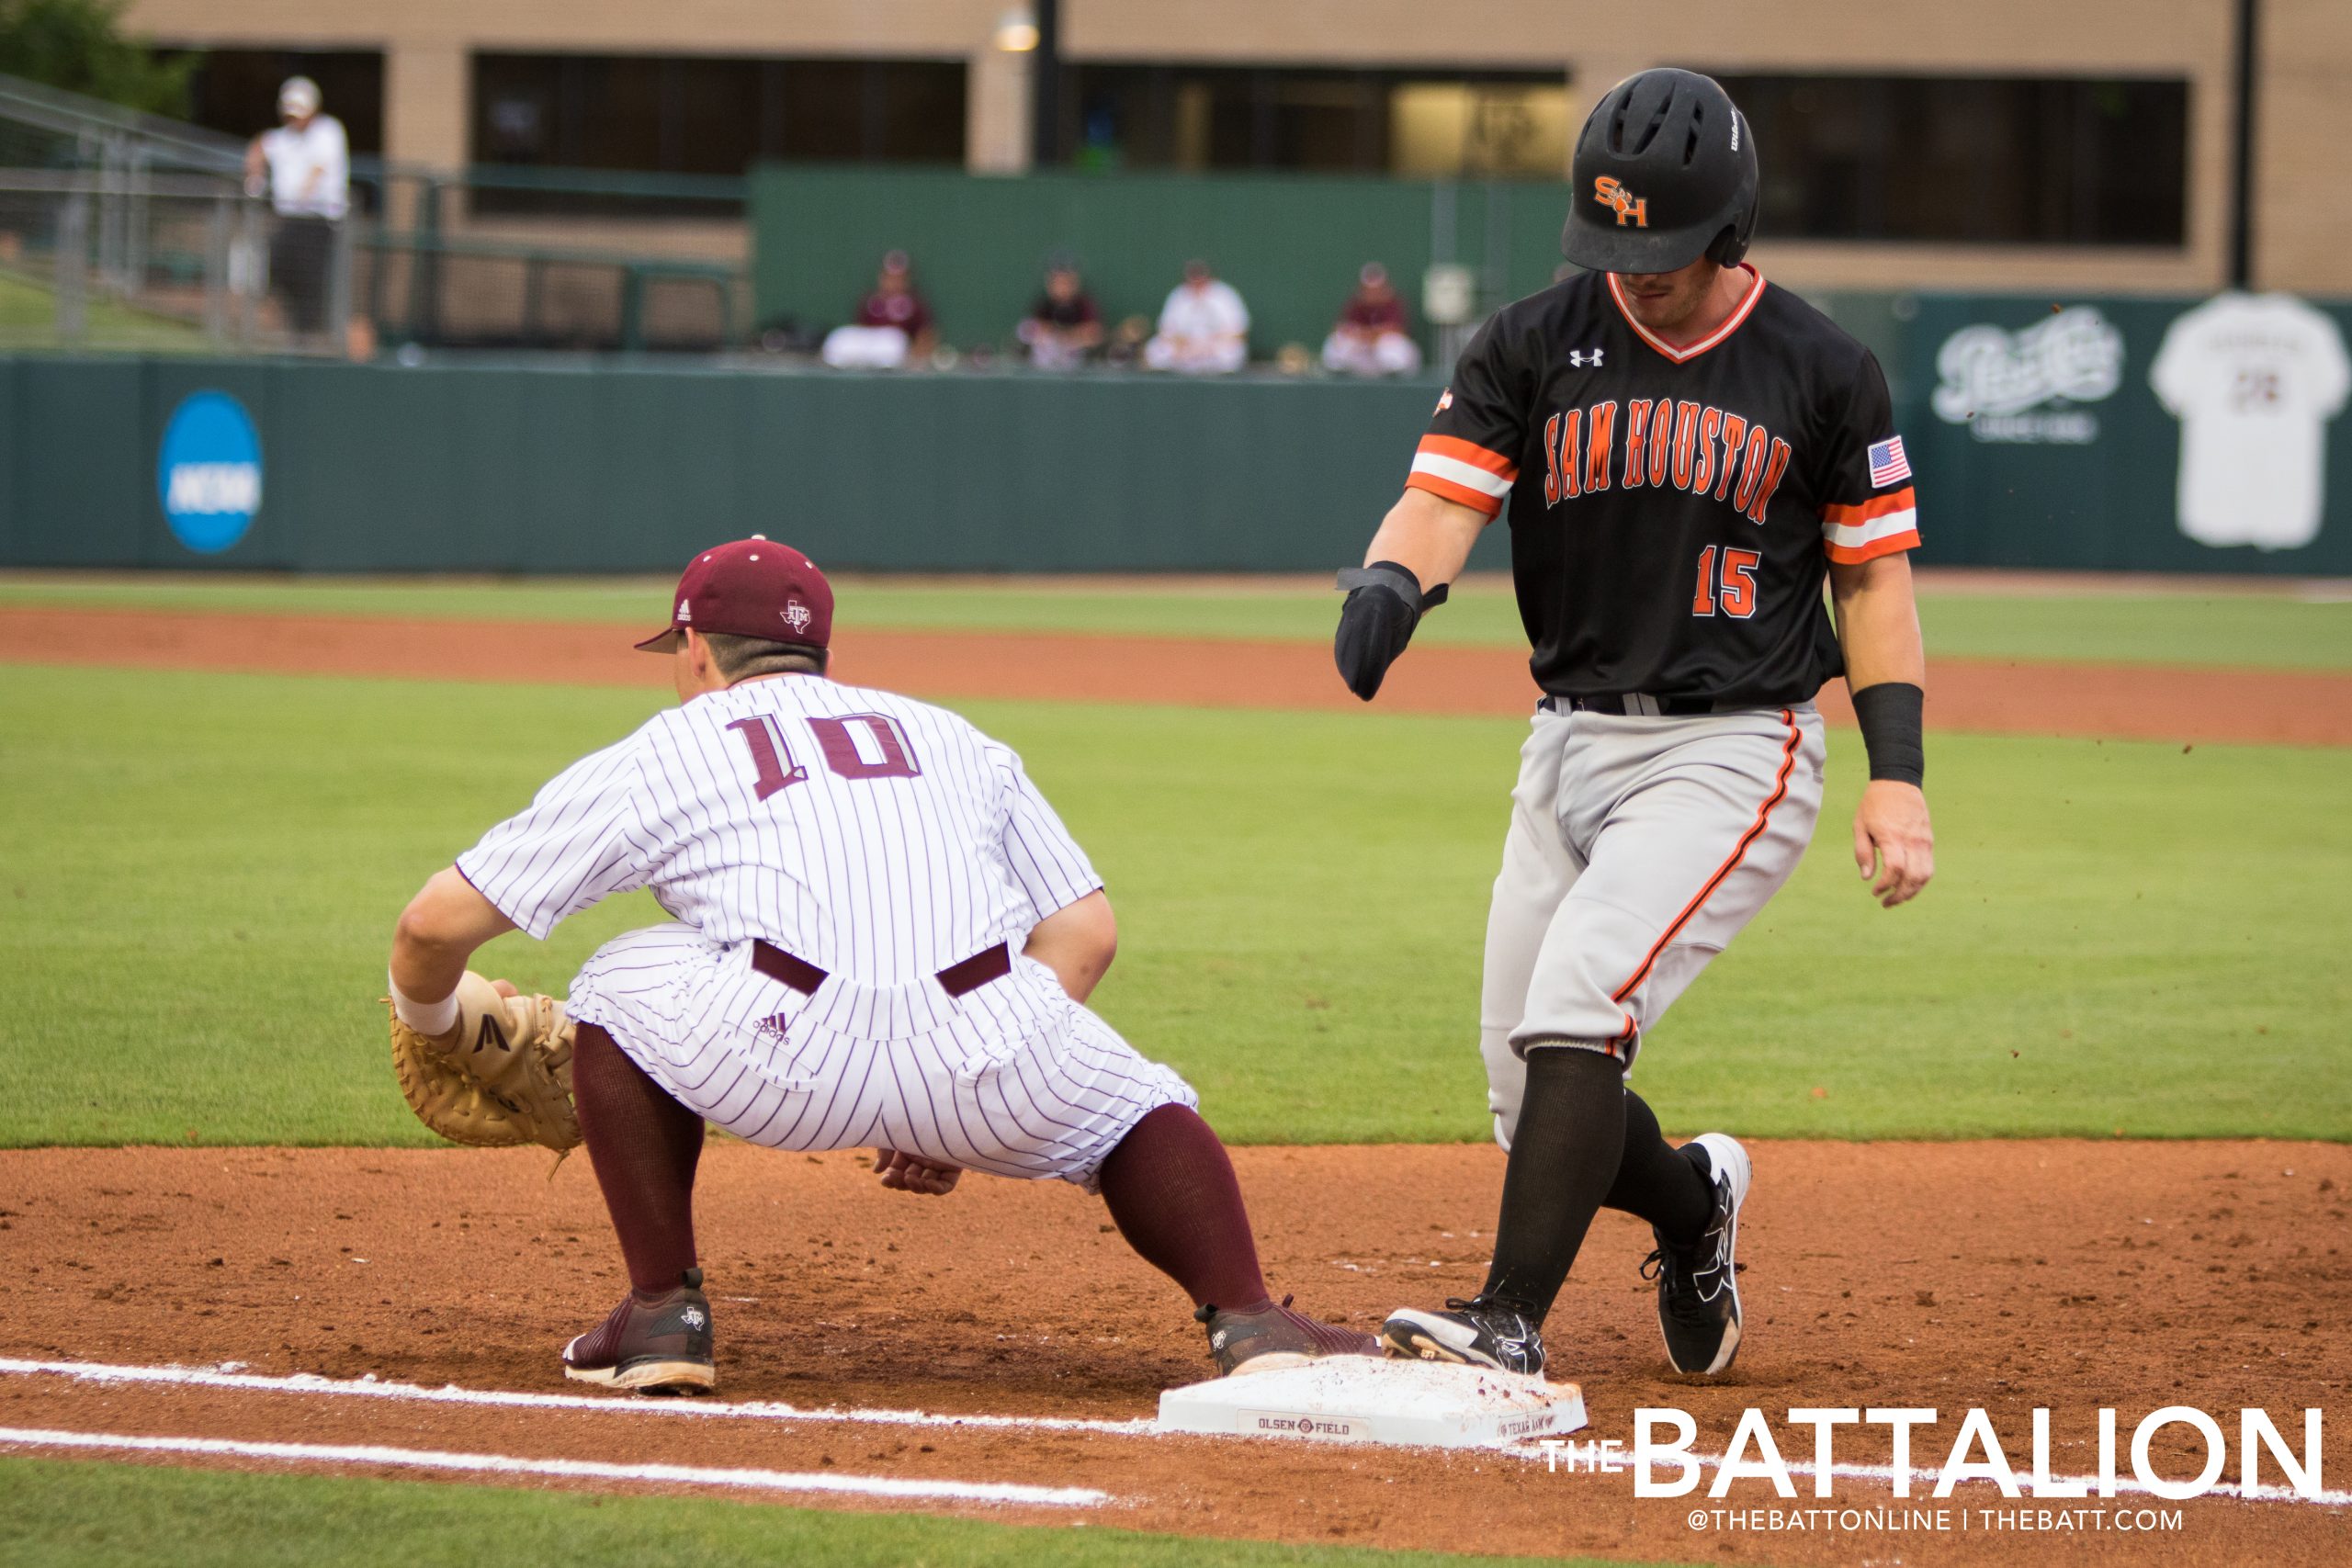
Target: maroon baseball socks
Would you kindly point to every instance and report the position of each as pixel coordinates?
(645, 1146)
(1171, 1193)
(1170, 1189)
(1168, 1185)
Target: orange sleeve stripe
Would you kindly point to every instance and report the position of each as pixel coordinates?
(1471, 453)
(1844, 556)
(1877, 506)
(1486, 506)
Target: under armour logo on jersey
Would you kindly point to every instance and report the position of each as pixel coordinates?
(1579, 359)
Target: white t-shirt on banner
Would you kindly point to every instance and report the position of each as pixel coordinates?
(2253, 378)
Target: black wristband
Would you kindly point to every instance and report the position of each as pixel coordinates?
(1893, 732)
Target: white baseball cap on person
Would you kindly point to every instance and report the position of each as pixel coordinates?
(299, 96)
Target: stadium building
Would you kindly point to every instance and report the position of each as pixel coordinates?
(2007, 145)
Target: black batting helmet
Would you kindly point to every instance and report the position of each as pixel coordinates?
(1664, 173)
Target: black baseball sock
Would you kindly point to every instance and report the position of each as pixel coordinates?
(1563, 1158)
(1673, 1189)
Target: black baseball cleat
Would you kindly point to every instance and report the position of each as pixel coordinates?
(1698, 1284)
(1480, 1332)
(658, 1347)
(1274, 1337)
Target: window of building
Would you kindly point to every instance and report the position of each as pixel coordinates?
(691, 115)
(1393, 122)
(1971, 160)
(235, 90)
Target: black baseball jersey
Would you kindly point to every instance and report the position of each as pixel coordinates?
(1673, 510)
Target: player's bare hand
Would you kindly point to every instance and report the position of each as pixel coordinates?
(1894, 839)
(912, 1173)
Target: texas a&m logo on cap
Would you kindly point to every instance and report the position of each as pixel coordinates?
(1621, 201)
(744, 588)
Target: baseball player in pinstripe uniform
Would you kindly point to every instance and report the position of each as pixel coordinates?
(1687, 454)
(881, 935)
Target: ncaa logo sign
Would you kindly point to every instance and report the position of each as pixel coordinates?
(209, 473)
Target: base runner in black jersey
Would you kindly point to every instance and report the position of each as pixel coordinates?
(1686, 454)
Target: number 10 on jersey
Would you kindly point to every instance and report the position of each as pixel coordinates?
(1734, 591)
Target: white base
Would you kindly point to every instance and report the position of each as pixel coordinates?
(1361, 1400)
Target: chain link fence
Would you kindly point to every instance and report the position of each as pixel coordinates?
(119, 231)
(458, 293)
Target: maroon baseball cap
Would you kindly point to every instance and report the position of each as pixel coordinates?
(752, 587)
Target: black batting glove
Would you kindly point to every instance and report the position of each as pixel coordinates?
(1385, 604)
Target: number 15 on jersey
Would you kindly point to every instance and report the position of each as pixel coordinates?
(1734, 591)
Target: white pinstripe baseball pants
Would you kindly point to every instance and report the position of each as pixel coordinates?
(1014, 1078)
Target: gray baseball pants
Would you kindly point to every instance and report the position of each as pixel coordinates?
(1638, 847)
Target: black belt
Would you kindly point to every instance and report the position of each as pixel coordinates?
(1634, 703)
(958, 980)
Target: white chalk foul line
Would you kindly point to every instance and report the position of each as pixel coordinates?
(575, 1469)
(370, 1388)
(764, 1410)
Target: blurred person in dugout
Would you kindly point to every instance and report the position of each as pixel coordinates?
(304, 166)
(1204, 328)
(893, 327)
(1373, 337)
(1063, 327)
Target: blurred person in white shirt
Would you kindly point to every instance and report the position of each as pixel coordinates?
(1204, 328)
(304, 165)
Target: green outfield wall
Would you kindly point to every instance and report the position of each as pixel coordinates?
(583, 469)
(2036, 431)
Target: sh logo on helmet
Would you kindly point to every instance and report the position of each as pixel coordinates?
(1621, 201)
(208, 474)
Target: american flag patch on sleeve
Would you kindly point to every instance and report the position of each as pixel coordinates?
(1888, 465)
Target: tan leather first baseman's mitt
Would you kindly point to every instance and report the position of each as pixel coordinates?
(502, 1075)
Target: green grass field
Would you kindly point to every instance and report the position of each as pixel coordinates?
(200, 874)
(2277, 631)
(56, 1513)
(29, 320)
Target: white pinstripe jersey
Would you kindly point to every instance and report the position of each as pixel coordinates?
(873, 836)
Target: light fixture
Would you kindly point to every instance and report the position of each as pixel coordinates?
(1016, 32)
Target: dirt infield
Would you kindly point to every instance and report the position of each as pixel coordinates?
(1987, 696)
(2068, 1275)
